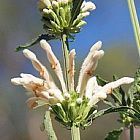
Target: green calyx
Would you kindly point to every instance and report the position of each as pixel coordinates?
(57, 17)
(72, 112)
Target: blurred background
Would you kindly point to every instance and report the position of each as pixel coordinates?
(20, 22)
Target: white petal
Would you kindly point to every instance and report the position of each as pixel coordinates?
(101, 92)
(97, 97)
(28, 78)
(46, 2)
(31, 83)
(91, 86)
(16, 81)
(45, 94)
(54, 63)
(32, 102)
(56, 93)
(88, 67)
(89, 6)
(110, 86)
(71, 69)
(39, 67)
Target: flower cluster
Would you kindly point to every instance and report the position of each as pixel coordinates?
(61, 16)
(73, 106)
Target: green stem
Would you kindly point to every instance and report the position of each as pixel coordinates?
(135, 22)
(132, 132)
(65, 49)
(75, 133)
(48, 127)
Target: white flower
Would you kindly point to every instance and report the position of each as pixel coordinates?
(57, 15)
(95, 93)
(89, 65)
(88, 6)
(47, 93)
(54, 63)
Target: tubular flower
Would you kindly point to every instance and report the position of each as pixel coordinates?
(61, 16)
(74, 106)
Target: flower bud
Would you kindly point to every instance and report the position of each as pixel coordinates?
(89, 6)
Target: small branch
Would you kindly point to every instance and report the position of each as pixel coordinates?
(75, 133)
(135, 22)
(48, 127)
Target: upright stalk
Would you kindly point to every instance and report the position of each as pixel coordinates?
(132, 132)
(48, 127)
(65, 49)
(75, 133)
(135, 22)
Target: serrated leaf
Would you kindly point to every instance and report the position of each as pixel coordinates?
(114, 135)
(34, 41)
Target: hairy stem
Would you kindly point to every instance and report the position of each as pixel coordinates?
(132, 132)
(65, 49)
(135, 22)
(48, 127)
(75, 133)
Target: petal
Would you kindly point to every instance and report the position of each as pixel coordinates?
(56, 93)
(29, 78)
(35, 102)
(71, 69)
(39, 67)
(88, 67)
(110, 86)
(16, 81)
(97, 97)
(92, 85)
(31, 102)
(54, 63)
(101, 93)
(30, 83)
(88, 6)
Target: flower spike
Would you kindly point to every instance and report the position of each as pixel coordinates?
(75, 105)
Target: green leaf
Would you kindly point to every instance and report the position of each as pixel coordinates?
(47, 37)
(119, 95)
(134, 90)
(114, 135)
(76, 9)
(101, 81)
(126, 110)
